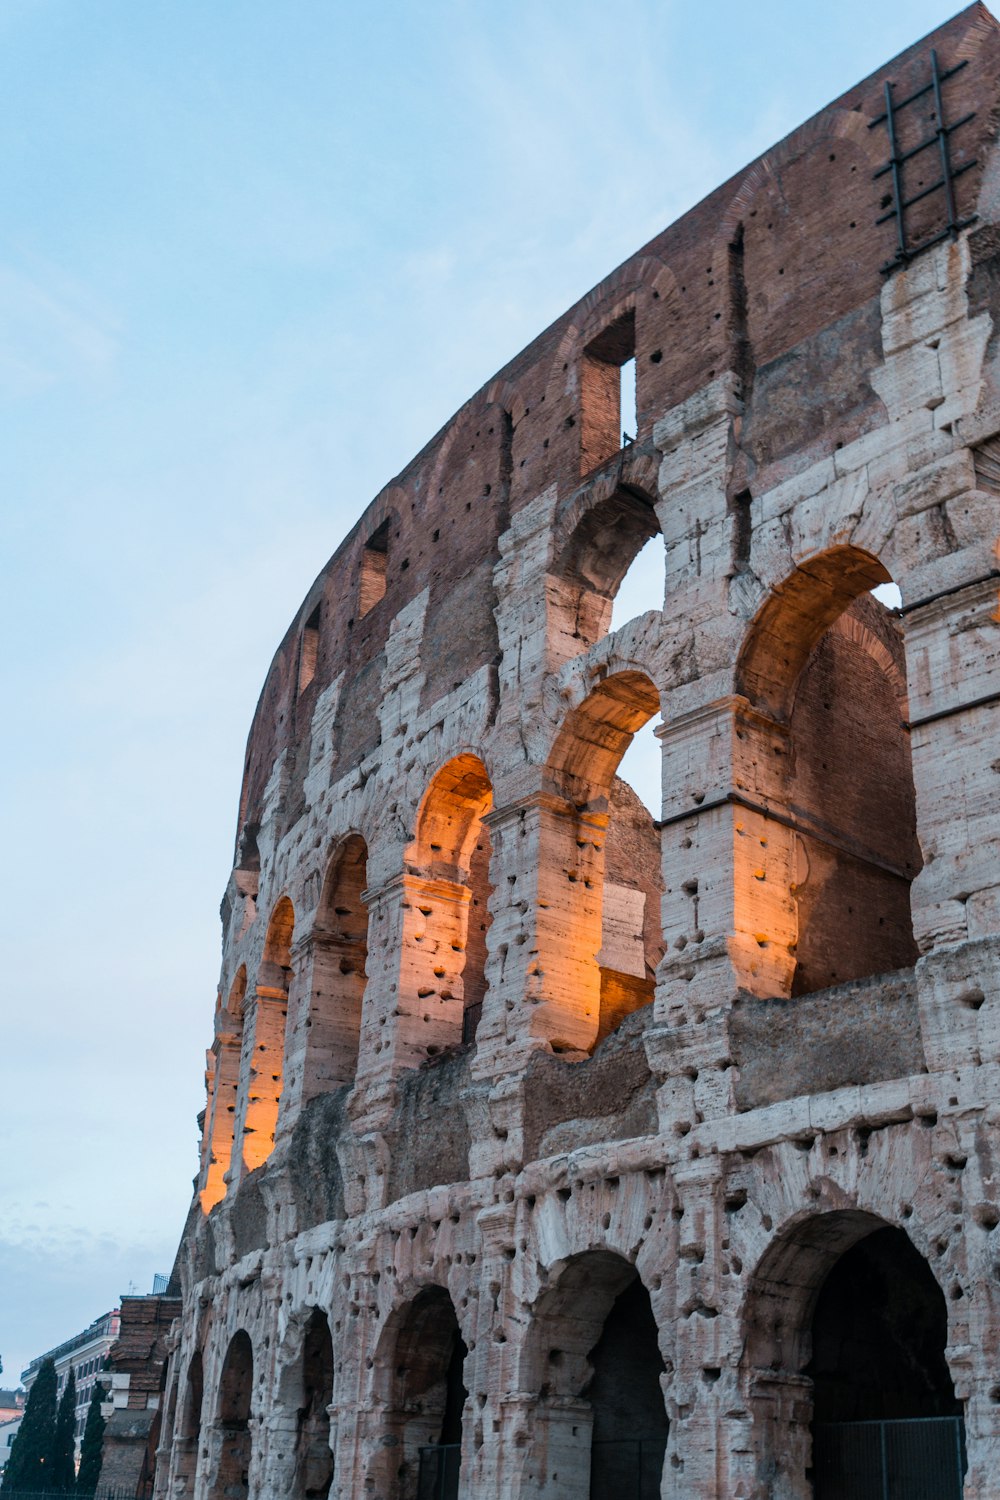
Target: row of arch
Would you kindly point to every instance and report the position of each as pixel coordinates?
(845, 1312)
(823, 678)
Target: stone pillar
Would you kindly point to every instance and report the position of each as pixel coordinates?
(221, 1123)
(729, 913)
(413, 999)
(543, 979)
(729, 910)
(953, 659)
(324, 1021)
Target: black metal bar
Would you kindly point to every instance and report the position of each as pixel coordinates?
(897, 182)
(902, 103)
(930, 141)
(949, 186)
(941, 183)
(903, 256)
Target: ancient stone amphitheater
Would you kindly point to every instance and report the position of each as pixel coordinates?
(552, 1150)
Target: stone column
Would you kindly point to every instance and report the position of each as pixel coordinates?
(324, 1021)
(729, 910)
(413, 999)
(543, 979)
(953, 659)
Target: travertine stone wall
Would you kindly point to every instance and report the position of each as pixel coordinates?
(490, 1044)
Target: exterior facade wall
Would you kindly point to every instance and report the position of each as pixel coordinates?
(86, 1355)
(729, 1125)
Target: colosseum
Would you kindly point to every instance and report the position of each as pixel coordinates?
(555, 1150)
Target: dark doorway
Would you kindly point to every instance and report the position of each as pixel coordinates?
(314, 1458)
(430, 1397)
(630, 1421)
(886, 1423)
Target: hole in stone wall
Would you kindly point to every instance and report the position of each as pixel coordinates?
(309, 650)
(605, 390)
(374, 567)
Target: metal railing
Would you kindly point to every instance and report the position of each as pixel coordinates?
(437, 1477)
(120, 1492)
(921, 1458)
(626, 1468)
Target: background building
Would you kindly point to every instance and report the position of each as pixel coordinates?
(86, 1355)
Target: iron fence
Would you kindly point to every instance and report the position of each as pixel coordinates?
(626, 1468)
(121, 1492)
(437, 1478)
(918, 1459)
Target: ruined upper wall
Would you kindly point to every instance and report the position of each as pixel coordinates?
(775, 276)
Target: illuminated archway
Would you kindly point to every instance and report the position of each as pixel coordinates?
(220, 1126)
(824, 666)
(266, 1040)
(448, 874)
(603, 924)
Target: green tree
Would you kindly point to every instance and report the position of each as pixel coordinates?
(62, 1470)
(92, 1448)
(31, 1453)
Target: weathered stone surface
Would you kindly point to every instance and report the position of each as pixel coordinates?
(518, 1100)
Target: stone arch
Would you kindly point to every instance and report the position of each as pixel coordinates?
(183, 1431)
(422, 1395)
(598, 537)
(845, 1321)
(796, 613)
(305, 1388)
(593, 1365)
(824, 671)
(233, 1445)
(448, 872)
(264, 1037)
(220, 1126)
(603, 936)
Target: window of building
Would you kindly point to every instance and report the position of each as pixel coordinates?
(309, 650)
(374, 562)
(608, 393)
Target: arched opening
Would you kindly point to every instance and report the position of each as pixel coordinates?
(232, 1469)
(602, 559)
(884, 1405)
(605, 939)
(339, 954)
(182, 1430)
(425, 1399)
(594, 1361)
(849, 1382)
(220, 1127)
(267, 1056)
(313, 1454)
(824, 665)
(448, 880)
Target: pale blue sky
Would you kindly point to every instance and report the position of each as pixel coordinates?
(252, 256)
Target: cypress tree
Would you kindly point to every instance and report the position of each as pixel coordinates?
(92, 1448)
(31, 1453)
(62, 1475)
